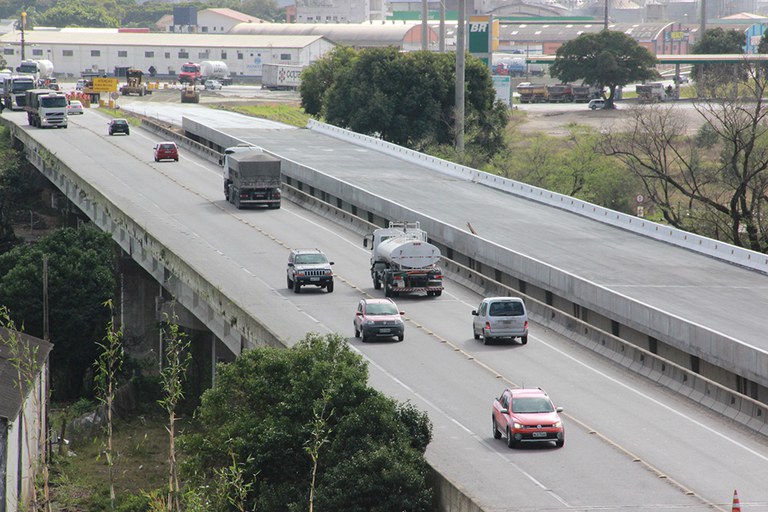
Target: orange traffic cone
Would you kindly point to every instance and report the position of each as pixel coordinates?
(736, 505)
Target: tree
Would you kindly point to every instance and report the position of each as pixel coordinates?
(712, 79)
(81, 277)
(177, 359)
(18, 182)
(407, 99)
(108, 366)
(716, 182)
(286, 415)
(77, 13)
(605, 59)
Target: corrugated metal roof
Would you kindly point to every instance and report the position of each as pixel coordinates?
(566, 32)
(164, 39)
(10, 397)
(233, 14)
(347, 33)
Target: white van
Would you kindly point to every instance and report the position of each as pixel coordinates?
(500, 317)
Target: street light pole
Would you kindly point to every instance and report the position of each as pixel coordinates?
(23, 26)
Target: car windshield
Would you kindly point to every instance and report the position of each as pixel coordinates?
(120, 121)
(56, 101)
(506, 309)
(167, 146)
(381, 309)
(310, 259)
(531, 405)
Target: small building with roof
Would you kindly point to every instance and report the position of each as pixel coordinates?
(75, 51)
(23, 413)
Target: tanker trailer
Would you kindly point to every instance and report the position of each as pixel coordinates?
(403, 261)
(215, 70)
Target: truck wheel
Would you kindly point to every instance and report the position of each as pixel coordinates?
(387, 292)
(376, 284)
(524, 339)
(296, 288)
(400, 338)
(329, 288)
(438, 293)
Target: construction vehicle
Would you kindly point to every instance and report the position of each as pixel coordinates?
(134, 83)
(46, 108)
(403, 260)
(585, 93)
(252, 178)
(190, 94)
(532, 93)
(651, 93)
(560, 93)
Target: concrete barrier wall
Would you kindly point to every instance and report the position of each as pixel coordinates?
(236, 327)
(704, 245)
(708, 393)
(715, 348)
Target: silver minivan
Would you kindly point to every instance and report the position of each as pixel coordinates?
(500, 317)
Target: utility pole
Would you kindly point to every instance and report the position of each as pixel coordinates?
(460, 57)
(424, 26)
(23, 26)
(442, 27)
(703, 20)
(605, 22)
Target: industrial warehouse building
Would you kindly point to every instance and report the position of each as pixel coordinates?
(74, 51)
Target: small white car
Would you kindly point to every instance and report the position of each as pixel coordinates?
(75, 107)
(79, 85)
(500, 318)
(596, 104)
(212, 85)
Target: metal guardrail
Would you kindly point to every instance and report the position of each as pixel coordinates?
(703, 245)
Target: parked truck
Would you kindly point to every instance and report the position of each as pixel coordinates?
(214, 70)
(134, 83)
(651, 93)
(532, 93)
(280, 76)
(584, 93)
(14, 91)
(403, 260)
(190, 73)
(252, 178)
(46, 108)
(560, 93)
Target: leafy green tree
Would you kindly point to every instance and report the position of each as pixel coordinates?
(18, 183)
(716, 79)
(407, 99)
(77, 13)
(81, 270)
(271, 410)
(604, 59)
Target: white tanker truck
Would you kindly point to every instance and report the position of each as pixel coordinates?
(403, 261)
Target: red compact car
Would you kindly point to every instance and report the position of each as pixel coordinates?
(527, 415)
(166, 151)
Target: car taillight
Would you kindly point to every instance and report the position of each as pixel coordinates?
(488, 326)
(398, 278)
(525, 326)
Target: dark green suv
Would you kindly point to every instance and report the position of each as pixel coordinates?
(309, 267)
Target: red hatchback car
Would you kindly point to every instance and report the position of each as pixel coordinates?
(166, 151)
(527, 415)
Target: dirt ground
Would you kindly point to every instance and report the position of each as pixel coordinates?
(554, 121)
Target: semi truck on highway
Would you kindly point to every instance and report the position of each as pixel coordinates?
(280, 76)
(252, 178)
(403, 260)
(192, 72)
(40, 70)
(46, 108)
(14, 90)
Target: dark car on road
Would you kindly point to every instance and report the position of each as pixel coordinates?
(119, 126)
